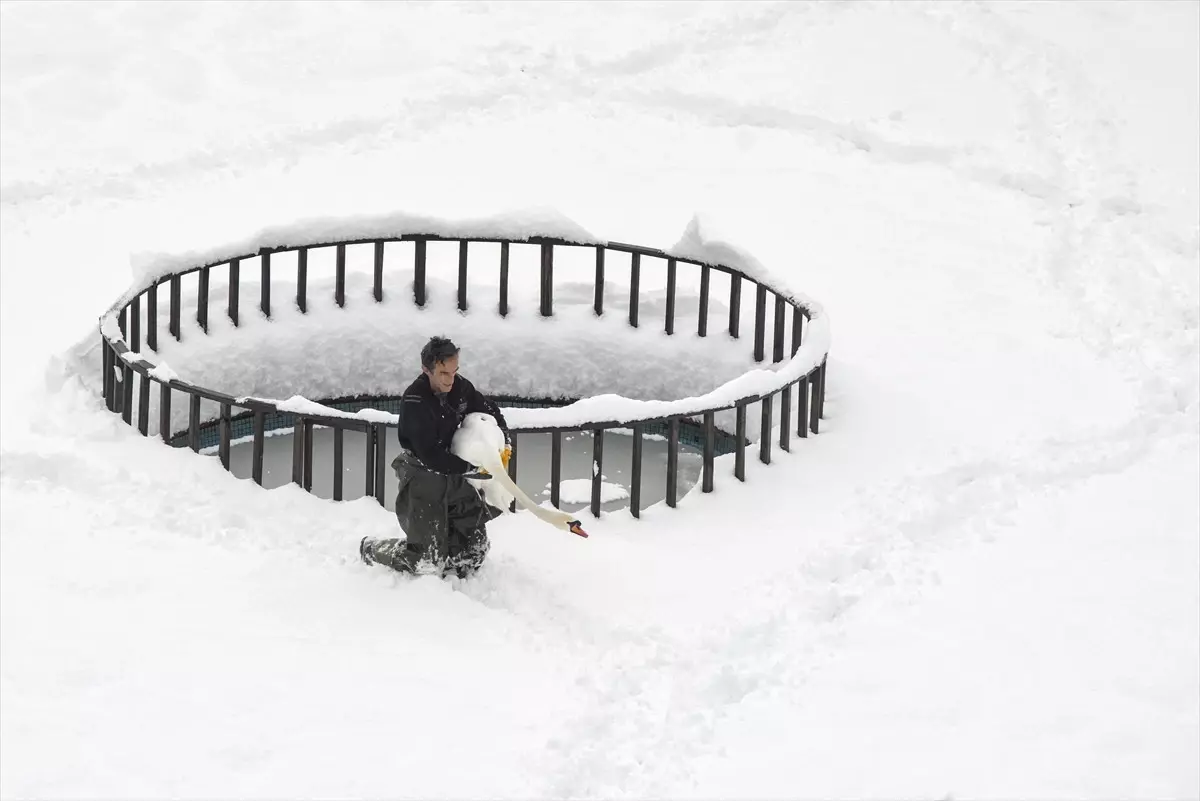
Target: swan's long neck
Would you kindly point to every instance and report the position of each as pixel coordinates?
(552, 516)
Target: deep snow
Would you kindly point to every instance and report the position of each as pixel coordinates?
(981, 579)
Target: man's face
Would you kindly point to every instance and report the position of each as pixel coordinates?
(441, 377)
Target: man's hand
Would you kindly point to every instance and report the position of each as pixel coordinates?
(505, 455)
(477, 473)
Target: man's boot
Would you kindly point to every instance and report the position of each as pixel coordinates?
(364, 550)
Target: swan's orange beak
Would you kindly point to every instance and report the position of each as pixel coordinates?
(576, 529)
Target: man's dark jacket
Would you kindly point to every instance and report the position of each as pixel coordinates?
(428, 421)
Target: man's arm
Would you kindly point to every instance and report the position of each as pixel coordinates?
(418, 427)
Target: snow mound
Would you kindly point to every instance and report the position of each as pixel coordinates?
(579, 490)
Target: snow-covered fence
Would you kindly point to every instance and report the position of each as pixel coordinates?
(803, 376)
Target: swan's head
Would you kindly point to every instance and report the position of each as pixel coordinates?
(562, 520)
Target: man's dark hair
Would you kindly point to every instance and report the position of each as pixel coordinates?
(437, 350)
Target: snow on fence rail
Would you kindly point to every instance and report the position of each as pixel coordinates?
(804, 374)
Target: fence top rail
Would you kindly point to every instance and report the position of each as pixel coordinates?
(150, 371)
(651, 411)
(733, 272)
(153, 280)
(337, 418)
(318, 412)
(598, 412)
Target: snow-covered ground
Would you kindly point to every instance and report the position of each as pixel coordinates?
(981, 579)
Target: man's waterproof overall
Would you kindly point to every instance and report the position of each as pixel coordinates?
(445, 520)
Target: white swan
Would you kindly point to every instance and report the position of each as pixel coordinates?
(480, 441)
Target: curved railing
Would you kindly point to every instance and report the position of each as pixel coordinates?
(804, 376)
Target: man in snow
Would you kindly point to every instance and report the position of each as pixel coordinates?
(443, 515)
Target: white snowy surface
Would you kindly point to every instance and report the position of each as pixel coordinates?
(979, 580)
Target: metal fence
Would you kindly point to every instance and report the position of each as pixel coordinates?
(120, 360)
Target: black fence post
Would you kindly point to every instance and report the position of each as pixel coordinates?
(113, 378)
(369, 471)
(635, 273)
(175, 302)
(235, 285)
(106, 373)
(135, 324)
(503, 279)
(702, 323)
(785, 419)
(308, 455)
(126, 392)
(672, 461)
(225, 434)
(814, 421)
(152, 316)
(122, 322)
(339, 444)
(670, 324)
(256, 459)
(635, 485)
(194, 422)
(115, 387)
(547, 284)
(378, 287)
(110, 377)
(339, 276)
(797, 328)
(419, 272)
(760, 322)
(764, 434)
(164, 412)
(824, 383)
(202, 300)
(802, 408)
(143, 404)
(598, 302)
(555, 468)
(710, 449)
(264, 259)
(302, 280)
(780, 323)
(597, 468)
(298, 450)
(739, 459)
(735, 304)
(462, 275)
(380, 460)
